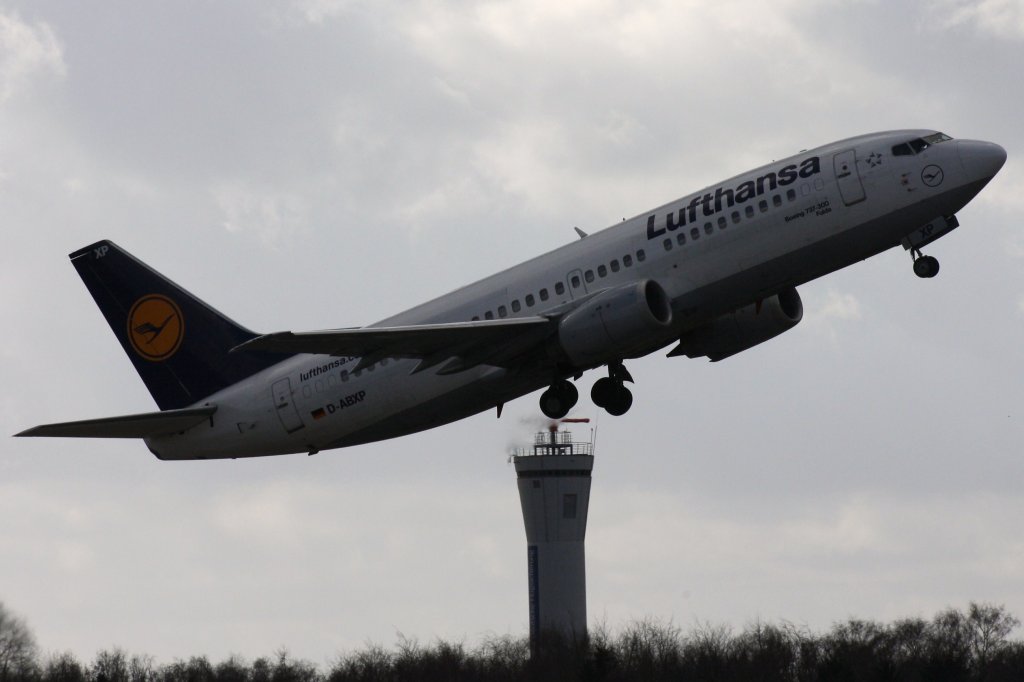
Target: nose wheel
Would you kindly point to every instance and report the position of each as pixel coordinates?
(925, 267)
(610, 392)
(556, 402)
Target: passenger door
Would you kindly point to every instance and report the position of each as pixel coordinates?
(848, 177)
(286, 410)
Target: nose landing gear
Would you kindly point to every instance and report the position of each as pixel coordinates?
(924, 266)
(610, 393)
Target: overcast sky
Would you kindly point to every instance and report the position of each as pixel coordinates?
(326, 163)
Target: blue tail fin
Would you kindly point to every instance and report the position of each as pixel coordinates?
(178, 344)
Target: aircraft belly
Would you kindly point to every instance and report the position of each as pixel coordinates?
(452, 405)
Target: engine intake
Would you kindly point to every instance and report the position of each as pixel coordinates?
(743, 329)
(612, 323)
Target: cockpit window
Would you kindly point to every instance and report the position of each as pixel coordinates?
(919, 144)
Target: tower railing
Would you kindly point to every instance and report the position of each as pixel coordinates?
(554, 443)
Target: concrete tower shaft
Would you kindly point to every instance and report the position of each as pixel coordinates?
(554, 491)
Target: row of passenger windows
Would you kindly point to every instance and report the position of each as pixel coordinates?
(736, 217)
(329, 380)
(574, 281)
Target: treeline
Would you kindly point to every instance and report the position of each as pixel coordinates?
(954, 645)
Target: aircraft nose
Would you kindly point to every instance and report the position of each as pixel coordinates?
(981, 160)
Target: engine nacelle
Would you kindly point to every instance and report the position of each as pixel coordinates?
(613, 322)
(743, 329)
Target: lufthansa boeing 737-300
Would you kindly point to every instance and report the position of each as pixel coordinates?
(711, 274)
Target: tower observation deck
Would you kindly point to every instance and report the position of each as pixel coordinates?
(554, 491)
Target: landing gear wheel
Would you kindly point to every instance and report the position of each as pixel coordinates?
(556, 402)
(926, 267)
(619, 401)
(603, 391)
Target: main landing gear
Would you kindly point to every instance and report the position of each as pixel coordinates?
(924, 266)
(610, 393)
(556, 402)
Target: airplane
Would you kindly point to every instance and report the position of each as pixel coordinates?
(711, 274)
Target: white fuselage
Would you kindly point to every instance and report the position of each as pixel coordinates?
(714, 251)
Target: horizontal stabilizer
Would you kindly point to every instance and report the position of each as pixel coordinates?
(143, 425)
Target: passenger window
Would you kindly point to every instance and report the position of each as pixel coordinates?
(502, 311)
(589, 276)
(488, 315)
(307, 392)
(559, 288)
(319, 386)
(575, 281)
(805, 189)
(694, 234)
(344, 375)
(722, 222)
(791, 194)
(615, 265)
(372, 367)
(735, 217)
(515, 306)
(627, 260)
(749, 210)
(476, 318)
(358, 372)
(667, 244)
(819, 184)
(602, 271)
(763, 205)
(776, 200)
(681, 238)
(640, 256)
(529, 300)
(543, 294)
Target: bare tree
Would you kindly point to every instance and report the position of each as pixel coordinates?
(17, 647)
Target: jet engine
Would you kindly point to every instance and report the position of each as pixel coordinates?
(613, 322)
(744, 328)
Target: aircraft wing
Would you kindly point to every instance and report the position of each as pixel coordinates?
(142, 425)
(462, 344)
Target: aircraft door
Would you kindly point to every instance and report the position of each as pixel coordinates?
(576, 283)
(848, 177)
(286, 410)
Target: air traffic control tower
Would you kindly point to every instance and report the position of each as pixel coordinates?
(554, 490)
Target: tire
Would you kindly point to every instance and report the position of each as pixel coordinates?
(556, 402)
(926, 267)
(552, 404)
(602, 391)
(621, 401)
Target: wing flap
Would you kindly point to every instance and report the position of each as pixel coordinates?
(143, 425)
(485, 341)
